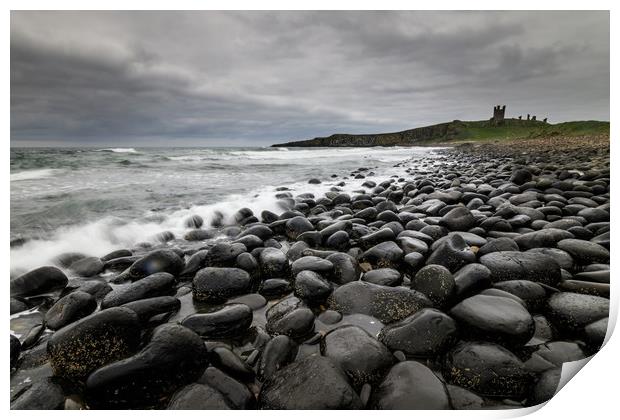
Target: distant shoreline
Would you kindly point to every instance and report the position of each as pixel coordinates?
(450, 133)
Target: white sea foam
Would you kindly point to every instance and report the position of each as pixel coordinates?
(187, 158)
(33, 174)
(391, 154)
(118, 150)
(98, 237)
(110, 233)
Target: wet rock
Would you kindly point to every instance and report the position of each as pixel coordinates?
(572, 312)
(44, 394)
(520, 176)
(494, 318)
(597, 276)
(338, 241)
(198, 397)
(164, 237)
(275, 287)
(38, 281)
(148, 308)
(471, 279)
(388, 304)
(546, 386)
(383, 277)
(453, 253)
(296, 250)
(250, 241)
(247, 262)
(409, 245)
(500, 293)
(238, 395)
(316, 264)
(436, 282)
(487, 369)
(216, 284)
(594, 215)
(66, 259)
(161, 260)
(471, 239)
(273, 263)
(312, 238)
(194, 263)
(94, 341)
(224, 254)
(333, 228)
(595, 333)
(116, 254)
(375, 238)
(120, 263)
(224, 358)
(97, 288)
(345, 268)
(174, 356)
(87, 267)
(463, 399)
(361, 356)
(542, 238)
(585, 252)
(70, 308)
(15, 350)
(330, 317)
(428, 332)
(412, 262)
(458, 219)
(410, 386)
(563, 258)
(262, 231)
(229, 321)
(193, 221)
(279, 351)
(297, 225)
(533, 294)
(314, 382)
(199, 235)
(18, 306)
(509, 265)
(157, 284)
(553, 354)
(499, 244)
(386, 254)
(290, 317)
(311, 287)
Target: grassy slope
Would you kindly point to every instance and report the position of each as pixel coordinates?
(518, 129)
(462, 131)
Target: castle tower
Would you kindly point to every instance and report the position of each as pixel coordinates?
(499, 112)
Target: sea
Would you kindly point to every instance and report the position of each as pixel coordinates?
(96, 200)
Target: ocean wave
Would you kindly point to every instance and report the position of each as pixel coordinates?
(282, 153)
(186, 158)
(98, 237)
(33, 174)
(118, 150)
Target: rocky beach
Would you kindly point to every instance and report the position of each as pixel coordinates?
(461, 279)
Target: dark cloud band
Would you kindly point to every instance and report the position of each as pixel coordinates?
(258, 77)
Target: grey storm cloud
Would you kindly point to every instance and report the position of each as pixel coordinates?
(243, 78)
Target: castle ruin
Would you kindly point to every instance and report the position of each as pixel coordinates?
(498, 114)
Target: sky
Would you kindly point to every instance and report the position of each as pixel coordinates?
(255, 78)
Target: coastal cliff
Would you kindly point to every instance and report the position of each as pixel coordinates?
(509, 129)
(443, 131)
